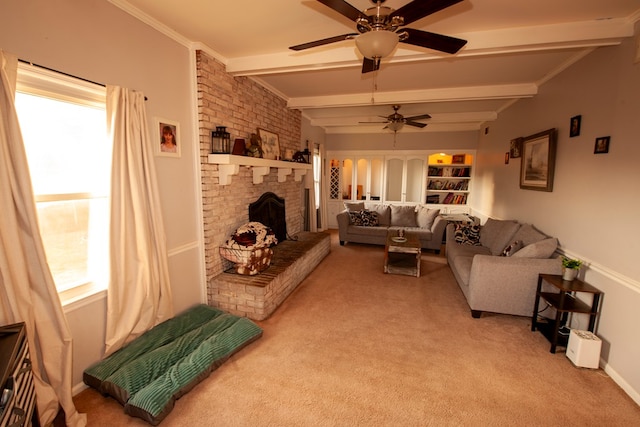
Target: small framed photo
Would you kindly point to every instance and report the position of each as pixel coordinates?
(167, 142)
(270, 144)
(574, 129)
(602, 145)
(458, 159)
(515, 148)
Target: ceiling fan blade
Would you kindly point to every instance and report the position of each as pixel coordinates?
(433, 41)
(344, 8)
(323, 41)
(416, 124)
(418, 9)
(423, 116)
(369, 65)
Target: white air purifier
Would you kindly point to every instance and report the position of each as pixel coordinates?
(583, 349)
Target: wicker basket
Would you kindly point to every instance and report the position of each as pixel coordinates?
(248, 262)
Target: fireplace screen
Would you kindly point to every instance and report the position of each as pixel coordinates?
(269, 210)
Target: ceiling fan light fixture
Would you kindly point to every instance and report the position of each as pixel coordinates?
(395, 126)
(377, 44)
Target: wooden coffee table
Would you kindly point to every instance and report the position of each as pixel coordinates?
(402, 256)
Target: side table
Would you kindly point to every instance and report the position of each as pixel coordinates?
(402, 255)
(564, 302)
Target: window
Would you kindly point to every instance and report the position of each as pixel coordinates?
(63, 124)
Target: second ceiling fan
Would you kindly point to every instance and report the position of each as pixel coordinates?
(379, 29)
(396, 121)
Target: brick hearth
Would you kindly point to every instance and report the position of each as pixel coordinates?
(256, 297)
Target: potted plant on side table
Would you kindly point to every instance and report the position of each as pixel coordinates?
(570, 268)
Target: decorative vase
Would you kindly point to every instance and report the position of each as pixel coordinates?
(569, 273)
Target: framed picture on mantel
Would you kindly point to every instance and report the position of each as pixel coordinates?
(538, 161)
(270, 144)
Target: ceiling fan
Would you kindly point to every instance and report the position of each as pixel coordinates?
(379, 29)
(396, 121)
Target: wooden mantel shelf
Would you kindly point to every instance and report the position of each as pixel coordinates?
(229, 165)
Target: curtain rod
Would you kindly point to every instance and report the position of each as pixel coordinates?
(64, 74)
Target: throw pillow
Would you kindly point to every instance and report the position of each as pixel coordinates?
(403, 216)
(467, 234)
(512, 248)
(355, 217)
(542, 249)
(495, 234)
(528, 234)
(384, 214)
(354, 206)
(369, 219)
(426, 217)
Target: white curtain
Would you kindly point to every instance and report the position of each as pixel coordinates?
(27, 292)
(324, 188)
(139, 295)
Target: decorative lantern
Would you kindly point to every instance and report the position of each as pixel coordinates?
(220, 141)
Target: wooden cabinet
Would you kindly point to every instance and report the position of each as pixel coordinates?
(449, 179)
(17, 405)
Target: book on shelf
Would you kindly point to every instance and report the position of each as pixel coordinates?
(448, 198)
(433, 199)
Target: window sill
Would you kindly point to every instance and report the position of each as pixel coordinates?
(81, 296)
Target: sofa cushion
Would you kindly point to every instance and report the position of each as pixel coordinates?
(368, 232)
(384, 214)
(495, 234)
(512, 248)
(425, 217)
(354, 206)
(403, 216)
(542, 249)
(528, 235)
(467, 234)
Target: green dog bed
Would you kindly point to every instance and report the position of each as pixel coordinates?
(151, 372)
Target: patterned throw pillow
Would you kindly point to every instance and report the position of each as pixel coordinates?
(364, 218)
(467, 234)
(512, 248)
(355, 217)
(369, 219)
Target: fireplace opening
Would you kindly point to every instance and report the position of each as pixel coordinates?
(269, 210)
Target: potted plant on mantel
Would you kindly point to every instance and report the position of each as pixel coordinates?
(570, 268)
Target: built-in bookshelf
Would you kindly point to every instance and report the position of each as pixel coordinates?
(449, 179)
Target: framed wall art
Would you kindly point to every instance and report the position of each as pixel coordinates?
(458, 159)
(576, 122)
(270, 144)
(538, 161)
(515, 148)
(602, 145)
(167, 134)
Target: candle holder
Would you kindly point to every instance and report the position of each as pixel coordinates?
(220, 141)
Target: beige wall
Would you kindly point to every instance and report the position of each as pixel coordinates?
(593, 209)
(95, 40)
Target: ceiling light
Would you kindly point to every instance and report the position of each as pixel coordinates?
(395, 126)
(377, 44)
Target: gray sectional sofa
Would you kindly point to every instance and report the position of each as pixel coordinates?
(497, 265)
(356, 224)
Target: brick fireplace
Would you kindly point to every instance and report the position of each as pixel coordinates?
(241, 105)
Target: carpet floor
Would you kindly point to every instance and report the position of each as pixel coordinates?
(353, 346)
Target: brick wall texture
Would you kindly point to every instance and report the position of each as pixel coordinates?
(241, 105)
